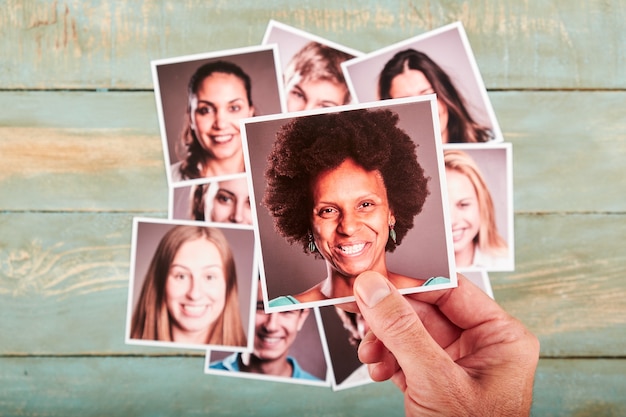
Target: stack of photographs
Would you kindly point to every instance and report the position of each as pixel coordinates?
(297, 164)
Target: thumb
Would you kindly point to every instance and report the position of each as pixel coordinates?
(394, 322)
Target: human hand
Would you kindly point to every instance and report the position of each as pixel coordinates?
(451, 352)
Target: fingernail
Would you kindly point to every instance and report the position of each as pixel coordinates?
(373, 289)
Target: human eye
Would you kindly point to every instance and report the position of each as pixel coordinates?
(224, 198)
(327, 212)
(203, 110)
(367, 205)
(212, 274)
(297, 93)
(235, 108)
(178, 275)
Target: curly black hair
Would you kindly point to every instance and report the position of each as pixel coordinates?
(310, 145)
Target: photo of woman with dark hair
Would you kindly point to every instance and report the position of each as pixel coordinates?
(201, 99)
(346, 187)
(219, 94)
(413, 73)
(438, 62)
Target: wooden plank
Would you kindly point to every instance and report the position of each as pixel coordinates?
(107, 153)
(580, 388)
(67, 274)
(81, 151)
(176, 386)
(568, 282)
(568, 149)
(167, 387)
(96, 44)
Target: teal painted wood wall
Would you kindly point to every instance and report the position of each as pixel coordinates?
(80, 155)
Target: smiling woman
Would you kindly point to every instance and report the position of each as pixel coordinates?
(346, 186)
(219, 94)
(189, 294)
(477, 242)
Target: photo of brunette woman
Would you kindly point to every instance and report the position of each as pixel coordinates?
(200, 100)
(439, 62)
(479, 191)
(225, 201)
(190, 285)
(341, 192)
(312, 73)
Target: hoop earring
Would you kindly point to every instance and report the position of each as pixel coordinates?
(392, 233)
(312, 247)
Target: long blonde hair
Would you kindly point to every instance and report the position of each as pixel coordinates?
(151, 319)
(488, 239)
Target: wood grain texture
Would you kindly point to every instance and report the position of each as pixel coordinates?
(176, 386)
(108, 44)
(108, 152)
(79, 161)
(81, 151)
(62, 273)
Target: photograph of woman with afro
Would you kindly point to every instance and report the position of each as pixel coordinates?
(346, 187)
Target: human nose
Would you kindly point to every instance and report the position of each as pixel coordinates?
(194, 291)
(221, 120)
(349, 223)
(237, 213)
(271, 321)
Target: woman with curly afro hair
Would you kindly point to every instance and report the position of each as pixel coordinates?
(346, 186)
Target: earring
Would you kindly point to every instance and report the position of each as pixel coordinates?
(312, 247)
(392, 233)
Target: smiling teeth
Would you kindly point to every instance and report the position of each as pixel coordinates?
(222, 138)
(194, 309)
(349, 250)
(271, 340)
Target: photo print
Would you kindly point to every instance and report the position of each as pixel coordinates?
(225, 200)
(190, 285)
(200, 100)
(310, 67)
(480, 192)
(287, 347)
(438, 62)
(339, 191)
